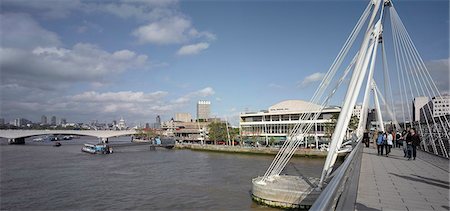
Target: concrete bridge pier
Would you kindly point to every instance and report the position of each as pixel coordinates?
(16, 141)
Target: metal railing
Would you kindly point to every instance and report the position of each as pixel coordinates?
(341, 191)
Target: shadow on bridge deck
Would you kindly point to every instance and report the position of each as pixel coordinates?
(394, 183)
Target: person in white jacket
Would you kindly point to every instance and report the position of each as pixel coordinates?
(389, 141)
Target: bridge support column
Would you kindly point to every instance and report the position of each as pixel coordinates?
(16, 141)
(104, 140)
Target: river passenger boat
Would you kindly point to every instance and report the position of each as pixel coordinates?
(97, 149)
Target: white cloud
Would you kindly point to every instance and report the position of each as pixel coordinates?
(205, 92)
(124, 96)
(440, 72)
(83, 62)
(167, 31)
(312, 78)
(21, 31)
(192, 49)
(44, 8)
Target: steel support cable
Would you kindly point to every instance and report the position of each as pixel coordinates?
(384, 101)
(413, 57)
(386, 68)
(410, 65)
(398, 65)
(424, 68)
(309, 125)
(330, 74)
(424, 73)
(407, 42)
(402, 69)
(429, 109)
(408, 57)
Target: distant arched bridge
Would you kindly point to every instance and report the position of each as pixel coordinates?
(18, 136)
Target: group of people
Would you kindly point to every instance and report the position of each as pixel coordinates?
(409, 140)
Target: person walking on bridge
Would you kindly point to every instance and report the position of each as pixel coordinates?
(413, 142)
(380, 143)
(389, 143)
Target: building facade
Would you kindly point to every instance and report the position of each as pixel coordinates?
(436, 107)
(277, 122)
(53, 120)
(203, 109)
(418, 104)
(43, 120)
(183, 117)
(357, 111)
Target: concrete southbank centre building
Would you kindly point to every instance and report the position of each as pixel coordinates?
(278, 121)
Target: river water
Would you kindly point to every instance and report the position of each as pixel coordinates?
(38, 176)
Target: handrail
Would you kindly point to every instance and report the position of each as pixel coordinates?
(338, 194)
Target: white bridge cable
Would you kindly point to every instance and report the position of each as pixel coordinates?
(389, 87)
(403, 41)
(408, 65)
(281, 155)
(309, 125)
(403, 66)
(415, 57)
(399, 67)
(412, 57)
(424, 69)
(387, 106)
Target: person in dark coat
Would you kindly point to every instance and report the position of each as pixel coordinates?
(366, 138)
(415, 142)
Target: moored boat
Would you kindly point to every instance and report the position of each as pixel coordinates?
(97, 149)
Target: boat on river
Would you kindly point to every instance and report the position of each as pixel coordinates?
(97, 149)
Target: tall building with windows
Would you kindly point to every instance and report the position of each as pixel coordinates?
(418, 103)
(183, 117)
(437, 107)
(158, 122)
(43, 120)
(53, 120)
(357, 111)
(203, 109)
(278, 121)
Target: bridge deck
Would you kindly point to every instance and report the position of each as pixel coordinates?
(394, 183)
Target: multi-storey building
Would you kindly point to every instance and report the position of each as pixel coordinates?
(278, 121)
(203, 109)
(183, 117)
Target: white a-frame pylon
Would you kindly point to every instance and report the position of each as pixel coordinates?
(365, 63)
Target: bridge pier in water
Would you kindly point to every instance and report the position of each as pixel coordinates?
(286, 191)
(16, 141)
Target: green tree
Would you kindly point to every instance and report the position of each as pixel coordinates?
(353, 124)
(234, 134)
(329, 126)
(217, 131)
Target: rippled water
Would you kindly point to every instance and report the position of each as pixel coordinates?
(39, 176)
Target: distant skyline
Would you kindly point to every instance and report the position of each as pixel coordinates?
(136, 59)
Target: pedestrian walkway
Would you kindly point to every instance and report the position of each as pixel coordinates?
(394, 183)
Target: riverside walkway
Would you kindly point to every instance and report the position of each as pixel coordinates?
(394, 183)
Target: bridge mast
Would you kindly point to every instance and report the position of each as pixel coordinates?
(367, 54)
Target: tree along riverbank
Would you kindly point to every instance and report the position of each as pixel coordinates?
(251, 150)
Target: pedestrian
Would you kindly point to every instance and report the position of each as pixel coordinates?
(380, 143)
(389, 143)
(375, 138)
(415, 142)
(409, 141)
(398, 139)
(405, 134)
(366, 138)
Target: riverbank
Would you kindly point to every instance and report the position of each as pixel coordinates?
(251, 150)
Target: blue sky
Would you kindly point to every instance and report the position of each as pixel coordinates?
(87, 60)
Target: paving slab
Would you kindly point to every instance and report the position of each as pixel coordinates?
(396, 183)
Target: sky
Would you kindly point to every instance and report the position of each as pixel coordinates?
(136, 59)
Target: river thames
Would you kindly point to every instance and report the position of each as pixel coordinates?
(38, 176)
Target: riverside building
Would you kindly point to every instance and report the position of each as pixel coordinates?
(277, 122)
